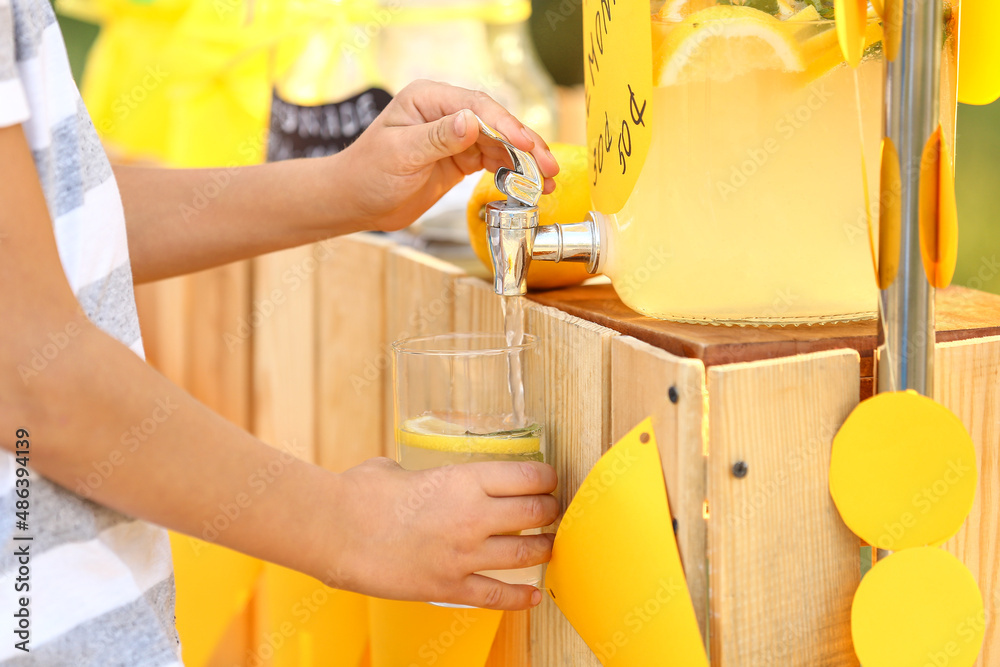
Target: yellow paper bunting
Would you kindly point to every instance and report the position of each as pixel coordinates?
(213, 586)
(903, 471)
(938, 214)
(890, 216)
(418, 633)
(979, 52)
(302, 623)
(918, 607)
(616, 573)
(852, 19)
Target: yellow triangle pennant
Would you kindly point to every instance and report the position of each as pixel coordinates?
(616, 572)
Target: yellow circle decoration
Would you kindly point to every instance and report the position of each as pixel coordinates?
(903, 471)
(918, 607)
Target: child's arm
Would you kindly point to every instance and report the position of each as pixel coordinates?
(353, 530)
(184, 220)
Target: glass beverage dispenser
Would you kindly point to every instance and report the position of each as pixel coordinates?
(734, 162)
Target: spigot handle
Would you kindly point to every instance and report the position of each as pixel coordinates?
(523, 182)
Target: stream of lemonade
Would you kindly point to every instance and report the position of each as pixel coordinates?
(513, 327)
(750, 207)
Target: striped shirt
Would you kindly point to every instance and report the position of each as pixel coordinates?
(101, 588)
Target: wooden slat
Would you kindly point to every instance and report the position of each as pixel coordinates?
(967, 381)
(477, 306)
(163, 309)
(218, 353)
(420, 301)
(784, 567)
(282, 318)
(512, 645)
(961, 313)
(576, 380)
(352, 356)
(642, 378)
(421, 292)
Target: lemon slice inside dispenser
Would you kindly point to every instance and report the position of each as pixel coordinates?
(723, 42)
(903, 471)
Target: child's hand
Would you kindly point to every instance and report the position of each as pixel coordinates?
(422, 535)
(422, 144)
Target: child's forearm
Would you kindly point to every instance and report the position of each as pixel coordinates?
(185, 220)
(110, 428)
(421, 145)
(107, 426)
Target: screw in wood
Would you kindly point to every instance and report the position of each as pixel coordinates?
(740, 469)
(673, 395)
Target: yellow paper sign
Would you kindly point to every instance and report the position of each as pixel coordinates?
(615, 571)
(903, 471)
(918, 607)
(618, 73)
(413, 634)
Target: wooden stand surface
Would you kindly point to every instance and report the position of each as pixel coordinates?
(313, 374)
(962, 314)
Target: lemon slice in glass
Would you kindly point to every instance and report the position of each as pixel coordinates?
(431, 432)
(723, 42)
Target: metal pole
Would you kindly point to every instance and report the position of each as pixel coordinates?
(906, 308)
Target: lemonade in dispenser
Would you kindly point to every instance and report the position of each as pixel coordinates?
(734, 163)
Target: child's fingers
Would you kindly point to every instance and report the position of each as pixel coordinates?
(515, 478)
(546, 161)
(523, 512)
(489, 593)
(543, 156)
(470, 160)
(511, 552)
(440, 139)
(433, 100)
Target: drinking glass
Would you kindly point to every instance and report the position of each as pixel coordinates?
(462, 398)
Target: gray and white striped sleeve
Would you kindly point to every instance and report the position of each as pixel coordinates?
(13, 102)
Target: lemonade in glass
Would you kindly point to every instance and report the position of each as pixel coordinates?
(764, 158)
(466, 398)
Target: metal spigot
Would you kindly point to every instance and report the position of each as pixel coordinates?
(514, 235)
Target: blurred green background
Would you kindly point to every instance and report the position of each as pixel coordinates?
(558, 35)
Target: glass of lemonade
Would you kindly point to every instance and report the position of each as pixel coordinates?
(463, 398)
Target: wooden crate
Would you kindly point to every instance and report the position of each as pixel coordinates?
(770, 566)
